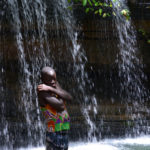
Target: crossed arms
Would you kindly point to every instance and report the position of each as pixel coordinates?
(46, 96)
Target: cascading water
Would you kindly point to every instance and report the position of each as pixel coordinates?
(130, 67)
(131, 76)
(28, 26)
(29, 41)
(88, 103)
(33, 36)
(132, 89)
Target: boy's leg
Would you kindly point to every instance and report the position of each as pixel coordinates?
(48, 147)
(57, 141)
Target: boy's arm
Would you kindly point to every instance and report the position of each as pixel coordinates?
(58, 91)
(52, 101)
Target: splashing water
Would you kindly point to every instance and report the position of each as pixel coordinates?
(130, 66)
(141, 143)
(35, 51)
(28, 20)
(88, 103)
(131, 75)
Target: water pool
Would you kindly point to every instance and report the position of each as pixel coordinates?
(140, 143)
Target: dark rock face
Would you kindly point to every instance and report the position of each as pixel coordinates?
(99, 39)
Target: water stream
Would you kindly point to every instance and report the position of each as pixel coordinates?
(75, 50)
(130, 66)
(27, 20)
(39, 33)
(141, 143)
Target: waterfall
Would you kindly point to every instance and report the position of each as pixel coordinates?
(78, 59)
(28, 34)
(130, 66)
(32, 51)
(41, 33)
(132, 89)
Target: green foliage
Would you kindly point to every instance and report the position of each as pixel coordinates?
(101, 8)
(145, 35)
(84, 2)
(142, 31)
(125, 12)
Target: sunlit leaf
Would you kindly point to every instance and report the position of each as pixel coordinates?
(114, 13)
(96, 12)
(84, 2)
(104, 15)
(110, 5)
(106, 5)
(100, 11)
(126, 13)
(100, 4)
(119, 5)
(97, 4)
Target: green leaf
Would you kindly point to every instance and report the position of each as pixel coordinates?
(114, 13)
(100, 11)
(127, 18)
(126, 13)
(108, 14)
(106, 5)
(70, 8)
(148, 41)
(110, 5)
(69, 1)
(96, 12)
(84, 2)
(87, 10)
(104, 15)
(142, 31)
(90, 2)
(92, 9)
(100, 4)
(97, 4)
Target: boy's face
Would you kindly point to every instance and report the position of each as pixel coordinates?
(50, 79)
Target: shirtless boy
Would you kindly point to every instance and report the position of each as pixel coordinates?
(52, 100)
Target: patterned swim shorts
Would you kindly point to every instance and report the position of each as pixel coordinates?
(57, 140)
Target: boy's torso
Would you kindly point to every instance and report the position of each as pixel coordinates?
(55, 121)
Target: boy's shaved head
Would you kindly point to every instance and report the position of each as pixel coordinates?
(47, 70)
(48, 76)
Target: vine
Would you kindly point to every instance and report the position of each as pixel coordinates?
(101, 8)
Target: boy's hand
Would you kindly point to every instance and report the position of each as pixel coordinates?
(57, 85)
(44, 87)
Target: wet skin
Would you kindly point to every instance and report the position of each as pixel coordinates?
(50, 88)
